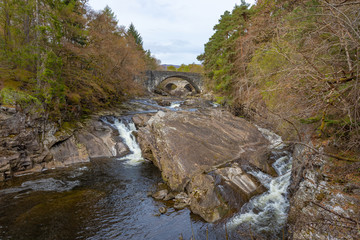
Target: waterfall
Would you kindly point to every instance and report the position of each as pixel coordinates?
(175, 104)
(267, 213)
(126, 129)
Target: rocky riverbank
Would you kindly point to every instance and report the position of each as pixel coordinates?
(29, 143)
(325, 197)
(204, 154)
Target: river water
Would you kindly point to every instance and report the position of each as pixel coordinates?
(109, 198)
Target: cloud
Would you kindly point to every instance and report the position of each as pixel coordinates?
(174, 31)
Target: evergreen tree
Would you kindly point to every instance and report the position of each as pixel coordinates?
(136, 35)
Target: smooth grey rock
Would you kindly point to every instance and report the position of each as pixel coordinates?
(191, 149)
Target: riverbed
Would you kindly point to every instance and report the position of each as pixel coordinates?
(109, 198)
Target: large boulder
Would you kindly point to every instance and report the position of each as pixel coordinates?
(205, 154)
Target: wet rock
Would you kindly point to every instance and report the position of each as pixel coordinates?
(98, 140)
(160, 195)
(163, 102)
(30, 143)
(182, 197)
(162, 210)
(140, 120)
(69, 152)
(189, 148)
(170, 196)
(182, 200)
(21, 148)
(180, 205)
(186, 144)
(121, 149)
(197, 103)
(236, 186)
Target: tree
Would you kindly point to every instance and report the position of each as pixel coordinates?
(70, 58)
(219, 56)
(171, 68)
(136, 35)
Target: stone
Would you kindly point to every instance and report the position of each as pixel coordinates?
(121, 149)
(97, 138)
(323, 203)
(160, 195)
(69, 152)
(180, 205)
(197, 152)
(185, 144)
(30, 143)
(170, 196)
(154, 78)
(182, 200)
(162, 210)
(140, 120)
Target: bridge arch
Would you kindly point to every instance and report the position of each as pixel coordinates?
(189, 80)
(154, 78)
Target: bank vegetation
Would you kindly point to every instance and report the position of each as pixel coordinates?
(291, 64)
(65, 60)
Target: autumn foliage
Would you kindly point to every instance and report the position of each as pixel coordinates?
(291, 64)
(69, 58)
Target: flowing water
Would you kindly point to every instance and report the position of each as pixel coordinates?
(266, 214)
(109, 198)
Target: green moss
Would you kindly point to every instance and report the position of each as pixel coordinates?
(12, 84)
(310, 120)
(13, 97)
(68, 125)
(220, 100)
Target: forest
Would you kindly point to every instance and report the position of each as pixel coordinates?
(64, 60)
(293, 64)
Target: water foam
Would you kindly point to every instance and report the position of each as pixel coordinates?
(267, 213)
(126, 129)
(175, 104)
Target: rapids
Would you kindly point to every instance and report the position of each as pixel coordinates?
(109, 198)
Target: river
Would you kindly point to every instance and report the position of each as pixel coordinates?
(109, 198)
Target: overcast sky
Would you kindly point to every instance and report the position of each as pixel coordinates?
(174, 31)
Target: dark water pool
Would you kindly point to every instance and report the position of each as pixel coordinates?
(104, 199)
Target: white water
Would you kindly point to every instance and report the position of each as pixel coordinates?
(267, 213)
(175, 105)
(274, 139)
(126, 129)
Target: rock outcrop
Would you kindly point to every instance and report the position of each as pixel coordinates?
(28, 143)
(204, 154)
(322, 205)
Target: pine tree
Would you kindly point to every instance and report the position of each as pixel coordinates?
(136, 35)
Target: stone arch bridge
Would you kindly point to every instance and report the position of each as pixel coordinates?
(154, 78)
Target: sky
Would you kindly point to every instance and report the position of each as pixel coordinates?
(174, 31)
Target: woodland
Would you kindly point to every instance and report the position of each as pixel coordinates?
(293, 64)
(64, 60)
